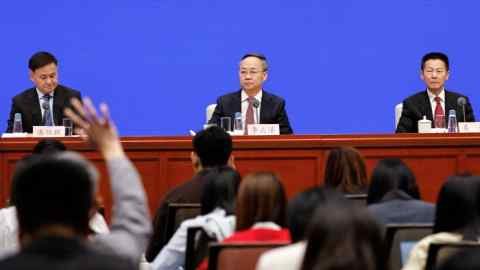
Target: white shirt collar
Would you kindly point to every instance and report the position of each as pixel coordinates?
(258, 96)
(41, 94)
(432, 96)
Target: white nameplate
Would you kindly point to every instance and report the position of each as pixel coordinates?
(15, 135)
(55, 131)
(466, 127)
(264, 129)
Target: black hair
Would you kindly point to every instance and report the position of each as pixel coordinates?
(301, 208)
(49, 190)
(41, 59)
(436, 55)
(213, 146)
(457, 207)
(344, 236)
(391, 174)
(220, 189)
(49, 146)
(466, 259)
(260, 56)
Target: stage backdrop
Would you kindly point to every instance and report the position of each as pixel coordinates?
(342, 66)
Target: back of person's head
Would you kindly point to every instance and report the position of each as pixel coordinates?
(345, 170)
(301, 208)
(220, 189)
(41, 59)
(435, 56)
(261, 198)
(52, 191)
(457, 207)
(49, 146)
(389, 175)
(213, 147)
(468, 259)
(343, 236)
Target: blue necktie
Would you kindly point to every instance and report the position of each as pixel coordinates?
(47, 114)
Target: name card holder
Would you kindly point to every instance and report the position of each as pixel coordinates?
(44, 131)
(263, 129)
(468, 127)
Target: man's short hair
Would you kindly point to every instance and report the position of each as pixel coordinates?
(438, 56)
(41, 59)
(49, 146)
(260, 56)
(55, 189)
(213, 146)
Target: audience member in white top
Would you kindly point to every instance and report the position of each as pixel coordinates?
(218, 202)
(299, 213)
(456, 218)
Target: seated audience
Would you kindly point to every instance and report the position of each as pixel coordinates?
(218, 203)
(464, 260)
(211, 148)
(393, 195)
(299, 214)
(456, 218)
(53, 214)
(260, 212)
(343, 236)
(8, 216)
(345, 171)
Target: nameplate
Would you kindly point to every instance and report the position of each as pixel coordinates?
(41, 131)
(466, 127)
(264, 129)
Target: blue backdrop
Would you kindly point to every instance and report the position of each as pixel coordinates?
(341, 65)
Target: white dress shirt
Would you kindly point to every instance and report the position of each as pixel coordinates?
(433, 103)
(41, 100)
(256, 112)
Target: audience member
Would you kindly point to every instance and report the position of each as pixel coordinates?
(345, 171)
(8, 216)
(218, 203)
(464, 260)
(299, 214)
(343, 236)
(456, 218)
(211, 148)
(393, 195)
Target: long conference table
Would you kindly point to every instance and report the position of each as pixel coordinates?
(299, 160)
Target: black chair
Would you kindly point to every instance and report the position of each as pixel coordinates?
(396, 234)
(357, 199)
(229, 256)
(197, 247)
(439, 252)
(177, 213)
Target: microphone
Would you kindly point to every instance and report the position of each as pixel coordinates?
(256, 104)
(461, 101)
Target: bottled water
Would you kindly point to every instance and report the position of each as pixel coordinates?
(17, 123)
(452, 122)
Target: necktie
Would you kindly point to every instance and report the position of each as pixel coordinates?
(439, 117)
(249, 120)
(47, 113)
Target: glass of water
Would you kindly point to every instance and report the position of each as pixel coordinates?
(67, 123)
(226, 123)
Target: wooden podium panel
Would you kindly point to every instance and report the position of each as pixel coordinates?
(299, 160)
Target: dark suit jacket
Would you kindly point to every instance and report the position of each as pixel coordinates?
(63, 254)
(418, 105)
(272, 110)
(27, 104)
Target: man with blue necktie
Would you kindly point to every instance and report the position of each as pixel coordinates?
(43, 104)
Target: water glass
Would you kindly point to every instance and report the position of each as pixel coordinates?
(67, 123)
(226, 123)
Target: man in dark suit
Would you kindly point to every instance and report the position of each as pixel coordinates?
(251, 100)
(436, 102)
(44, 103)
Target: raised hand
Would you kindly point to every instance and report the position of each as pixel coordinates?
(100, 131)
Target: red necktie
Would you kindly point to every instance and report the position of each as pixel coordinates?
(439, 117)
(249, 120)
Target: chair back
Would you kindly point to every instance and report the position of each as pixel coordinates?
(242, 256)
(402, 236)
(197, 247)
(177, 213)
(398, 113)
(209, 111)
(439, 252)
(357, 199)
